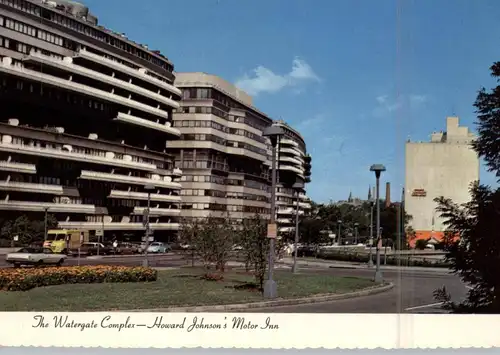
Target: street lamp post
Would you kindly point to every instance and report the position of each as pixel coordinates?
(298, 186)
(356, 233)
(339, 239)
(370, 258)
(274, 133)
(378, 169)
(145, 262)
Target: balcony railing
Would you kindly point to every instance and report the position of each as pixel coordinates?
(31, 187)
(17, 167)
(140, 74)
(117, 226)
(123, 117)
(130, 195)
(157, 182)
(6, 66)
(110, 159)
(67, 64)
(157, 211)
(11, 205)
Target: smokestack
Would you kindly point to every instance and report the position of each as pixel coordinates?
(387, 194)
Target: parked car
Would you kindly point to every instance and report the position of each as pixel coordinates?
(35, 256)
(89, 249)
(158, 247)
(126, 248)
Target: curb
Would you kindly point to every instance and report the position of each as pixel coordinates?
(99, 257)
(325, 265)
(266, 304)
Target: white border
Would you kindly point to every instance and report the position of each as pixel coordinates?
(299, 331)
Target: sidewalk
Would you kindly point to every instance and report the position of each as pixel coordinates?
(347, 265)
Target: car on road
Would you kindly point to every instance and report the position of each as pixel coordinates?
(89, 249)
(158, 247)
(125, 248)
(35, 256)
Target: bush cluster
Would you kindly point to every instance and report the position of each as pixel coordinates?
(391, 260)
(26, 279)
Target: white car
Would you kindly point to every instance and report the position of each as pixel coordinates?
(35, 256)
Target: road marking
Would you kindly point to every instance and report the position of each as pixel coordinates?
(424, 306)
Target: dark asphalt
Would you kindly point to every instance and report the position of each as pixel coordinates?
(412, 289)
(160, 260)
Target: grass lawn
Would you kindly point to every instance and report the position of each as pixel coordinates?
(182, 287)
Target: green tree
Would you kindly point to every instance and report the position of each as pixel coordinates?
(310, 232)
(475, 255)
(421, 244)
(255, 246)
(210, 239)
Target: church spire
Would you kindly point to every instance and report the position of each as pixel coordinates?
(369, 193)
(350, 197)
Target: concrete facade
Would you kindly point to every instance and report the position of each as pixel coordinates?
(444, 166)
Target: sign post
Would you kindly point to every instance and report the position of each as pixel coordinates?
(99, 234)
(271, 231)
(79, 247)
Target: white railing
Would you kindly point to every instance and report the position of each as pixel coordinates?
(123, 117)
(31, 187)
(93, 175)
(67, 64)
(41, 206)
(143, 196)
(290, 151)
(70, 155)
(289, 141)
(157, 211)
(17, 167)
(116, 226)
(123, 68)
(18, 70)
(291, 168)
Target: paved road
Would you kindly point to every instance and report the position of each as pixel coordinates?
(412, 294)
(161, 260)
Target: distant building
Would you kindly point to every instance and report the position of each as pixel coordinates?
(445, 166)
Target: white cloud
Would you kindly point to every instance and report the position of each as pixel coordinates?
(265, 80)
(387, 105)
(417, 99)
(310, 122)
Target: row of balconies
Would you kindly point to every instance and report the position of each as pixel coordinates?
(66, 152)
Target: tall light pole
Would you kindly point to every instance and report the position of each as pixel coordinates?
(45, 224)
(378, 169)
(274, 133)
(339, 239)
(356, 233)
(145, 262)
(298, 186)
(100, 237)
(370, 258)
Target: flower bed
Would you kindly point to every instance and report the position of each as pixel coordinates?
(26, 279)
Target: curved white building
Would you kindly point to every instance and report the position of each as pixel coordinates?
(86, 114)
(293, 166)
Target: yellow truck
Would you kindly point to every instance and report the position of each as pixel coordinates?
(63, 240)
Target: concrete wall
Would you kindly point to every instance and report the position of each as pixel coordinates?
(446, 166)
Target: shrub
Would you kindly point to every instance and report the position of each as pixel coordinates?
(213, 277)
(26, 279)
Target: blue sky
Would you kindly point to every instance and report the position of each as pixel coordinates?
(355, 77)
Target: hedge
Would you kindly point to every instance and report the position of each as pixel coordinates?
(26, 279)
(391, 260)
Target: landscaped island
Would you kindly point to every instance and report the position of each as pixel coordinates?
(103, 288)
